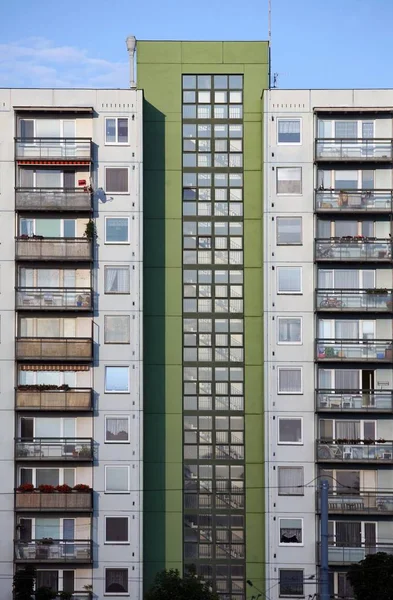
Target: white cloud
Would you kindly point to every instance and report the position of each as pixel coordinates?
(38, 62)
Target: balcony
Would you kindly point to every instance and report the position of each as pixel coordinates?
(353, 249)
(353, 149)
(352, 401)
(354, 451)
(64, 150)
(63, 299)
(361, 350)
(354, 300)
(78, 399)
(81, 596)
(54, 449)
(362, 503)
(54, 502)
(352, 201)
(56, 199)
(37, 248)
(54, 349)
(54, 551)
(340, 554)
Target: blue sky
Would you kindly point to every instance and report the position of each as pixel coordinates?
(316, 43)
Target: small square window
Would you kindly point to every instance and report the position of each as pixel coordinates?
(289, 231)
(117, 279)
(116, 581)
(290, 481)
(221, 82)
(189, 111)
(117, 230)
(289, 280)
(204, 82)
(117, 429)
(291, 532)
(117, 478)
(291, 583)
(116, 180)
(290, 380)
(204, 97)
(235, 82)
(288, 131)
(189, 97)
(189, 82)
(117, 380)
(290, 430)
(289, 180)
(116, 530)
(116, 130)
(289, 330)
(220, 97)
(235, 97)
(116, 329)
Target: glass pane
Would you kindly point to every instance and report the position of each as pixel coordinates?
(110, 130)
(48, 179)
(47, 477)
(116, 379)
(48, 227)
(122, 130)
(116, 479)
(116, 229)
(69, 228)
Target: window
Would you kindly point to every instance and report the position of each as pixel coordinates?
(291, 532)
(290, 430)
(289, 330)
(117, 329)
(117, 429)
(117, 379)
(289, 280)
(116, 581)
(117, 279)
(117, 479)
(116, 530)
(288, 131)
(116, 130)
(116, 180)
(291, 582)
(117, 230)
(289, 230)
(290, 481)
(289, 180)
(290, 380)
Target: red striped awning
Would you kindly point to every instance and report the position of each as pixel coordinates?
(54, 367)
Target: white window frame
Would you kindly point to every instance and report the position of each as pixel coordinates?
(291, 293)
(280, 343)
(35, 119)
(279, 532)
(359, 127)
(278, 120)
(302, 595)
(129, 431)
(117, 391)
(362, 530)
(287, 418)
(117, 143)
(129, 329)
(289, 193)
(126, 543)
(117, 266)
(301, 488)
(34, 473)
(109, 192)
(278, 243)
(128, 581)
(128, 479)
(108, 217)
(361, 422)
(289, 368)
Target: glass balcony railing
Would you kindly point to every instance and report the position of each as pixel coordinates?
(355, 451)
(54, 551)
(354, 350)
(36, 397)
(354, 300)
(359, 249)
(39, 248)
(62, 149)
(378, 201)
(37, 199)
(362, 503)
(59, 349)
(340, 554)
(75, 299)
(353, 149)
(372, 401)
(69, 449)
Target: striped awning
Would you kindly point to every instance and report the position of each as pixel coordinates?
(54, 367)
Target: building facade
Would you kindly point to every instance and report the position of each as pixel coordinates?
(71, 345)
(328, 331)
(203, 359)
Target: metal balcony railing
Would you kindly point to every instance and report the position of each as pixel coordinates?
(54, 502)
(354, 300)
(340, 554)
(350, 201)
(357, 249)
(372, 401)
(55, 551)
(62, 149)
(76, 596)
(58, 199)
(354, 451)
(38, 248)
(354, 149)
(68, 449)
(360, 350)
(33, 298)
(71, 399)
(59, 349)
(362, 503)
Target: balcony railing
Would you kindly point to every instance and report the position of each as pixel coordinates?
(54, 502)
(350, 201)
(33, 298)
(358, 249)
(372, 401)
(81, 596)
(340, 554)
(363, 503)
(62, 149)
(54, 551)
(361, 350)
(68, 449)
(58, 349)
(38, 248)
(354, 149)
(354, 451)
(58, 199)
(72, 399)
(354, 300)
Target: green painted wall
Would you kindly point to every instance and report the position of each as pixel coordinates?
(160, 66)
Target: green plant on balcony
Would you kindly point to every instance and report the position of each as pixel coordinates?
(377, 291)
(85, 452)
(46, 541)
(45, 593)
(81, 487)
(23, 583)
(65, 595)
(330, 352)
(90, 231)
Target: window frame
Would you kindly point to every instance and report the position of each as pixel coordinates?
(106, 391)
(109, 192)
(291, 595)
(283, 343)
(117, 143)
(127, 343)
(300, 488)
(127, 593)
(278, 243)
(280, 119)
(127, 491)
(291, 544)
(287, 418)
(110, 243)
(286, 293)
(290, 368)
(289, 193)
(117, 266)
(127, 417)
(114, 543)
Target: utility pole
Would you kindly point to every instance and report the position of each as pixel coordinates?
(324, 578)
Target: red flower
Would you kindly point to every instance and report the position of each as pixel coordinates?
(81, 487)
(26, 487)
(46, 489)
(63, 488)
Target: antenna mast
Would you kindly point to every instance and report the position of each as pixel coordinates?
(270, 22)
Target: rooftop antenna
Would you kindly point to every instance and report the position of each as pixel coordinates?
(270, 22)
(131, 47)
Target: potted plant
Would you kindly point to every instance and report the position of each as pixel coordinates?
(26, 488)
(45, 488)
(64, 488)
(90, 231)
(46, 541)
(81, 487)
(85, 452)
(329, 352)
(65, 595)
(45, 593)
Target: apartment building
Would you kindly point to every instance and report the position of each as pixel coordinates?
(203, 361)
(70, 347)
(328, 331)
